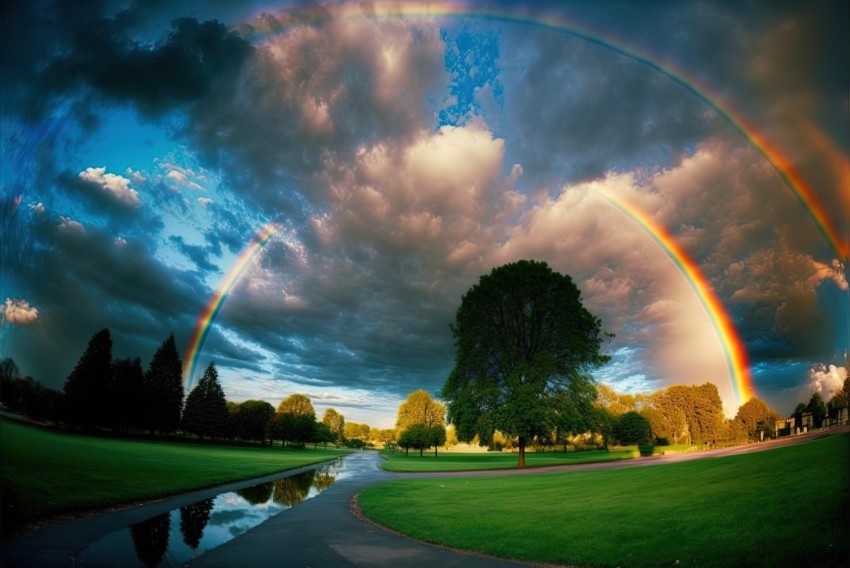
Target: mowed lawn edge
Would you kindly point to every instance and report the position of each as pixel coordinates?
(44, 472)
(482, 461)
(781, 507)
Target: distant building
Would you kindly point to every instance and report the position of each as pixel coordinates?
(808, 422)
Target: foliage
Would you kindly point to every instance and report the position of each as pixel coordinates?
(419, 408)
(355, 431)
(251, 420)
(698, 513)
(128, 382)
(336, 424)
(632, 428)
(615, 403)
(523, 340)
(27, 396)
(193, 520)
(322, 434)
(756, 416)
(163, 391)
(702, 409)
(88, 387)
(417, 437)
(818, 409)
(206, 408)
(294, 420)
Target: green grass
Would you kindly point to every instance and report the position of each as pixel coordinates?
(478, 461)
(781, 507)
(44, 472)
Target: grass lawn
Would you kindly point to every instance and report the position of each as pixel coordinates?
(782, 507)
(476, 461)
(44, 472)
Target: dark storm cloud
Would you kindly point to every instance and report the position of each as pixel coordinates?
(103, 282)
(581, 110)
(52, 50)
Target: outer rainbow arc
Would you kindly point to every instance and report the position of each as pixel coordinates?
(213, 307)
(734, 349)
(783, 165)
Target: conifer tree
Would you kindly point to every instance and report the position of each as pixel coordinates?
(88, 387)
(206, 411)
(164, 388)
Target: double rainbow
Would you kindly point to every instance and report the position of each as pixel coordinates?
(210, 311)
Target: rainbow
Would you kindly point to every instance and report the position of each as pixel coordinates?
(781, 163)
(733, 347)
(210, 311)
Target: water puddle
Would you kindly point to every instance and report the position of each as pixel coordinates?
(180, 536)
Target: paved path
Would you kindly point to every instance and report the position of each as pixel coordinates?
(320, 531)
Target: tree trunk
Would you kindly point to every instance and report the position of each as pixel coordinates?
(422, 449)
(435, 451)
(521, 452)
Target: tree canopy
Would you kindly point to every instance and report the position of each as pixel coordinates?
(755, 415)
(336, 424)
(88, 387)
(163, 390)
(420, 408)
(523, 342)
(206, 411)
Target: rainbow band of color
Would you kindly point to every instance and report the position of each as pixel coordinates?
(783, 165)
(210, 311)
(733, 348)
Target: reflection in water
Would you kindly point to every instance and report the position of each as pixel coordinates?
(208, 523)
(151, 539)
(193, 521)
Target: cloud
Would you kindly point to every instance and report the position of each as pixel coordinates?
(19, 312)
(321, 92)
(824, 379)
(70, 226)
(116, 186)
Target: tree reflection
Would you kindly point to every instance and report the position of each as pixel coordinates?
(292, 490)
(151, 539)
(193, 521)
(258, 494)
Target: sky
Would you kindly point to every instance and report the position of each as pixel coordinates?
(686, 163)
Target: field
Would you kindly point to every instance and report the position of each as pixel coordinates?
(44, 472)
(477, 461)
(782, 507)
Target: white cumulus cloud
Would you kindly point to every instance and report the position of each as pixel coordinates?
(118, 187)
(19, 312)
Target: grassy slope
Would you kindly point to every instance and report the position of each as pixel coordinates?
(477, 461)
(783, 507)
(44, 472)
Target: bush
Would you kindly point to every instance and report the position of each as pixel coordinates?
(632, 428)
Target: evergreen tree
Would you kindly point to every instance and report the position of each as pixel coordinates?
(88, 387)
(163, 394)
(206, 411)
(127, 384)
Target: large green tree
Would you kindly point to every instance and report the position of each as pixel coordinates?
(702, 408)
(163, 390)
(522, 340)
(251, 420)
(294, 420)
(206, 411)
(88, 388)
(818, 409)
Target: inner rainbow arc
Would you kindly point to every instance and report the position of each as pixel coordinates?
(737, 360)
